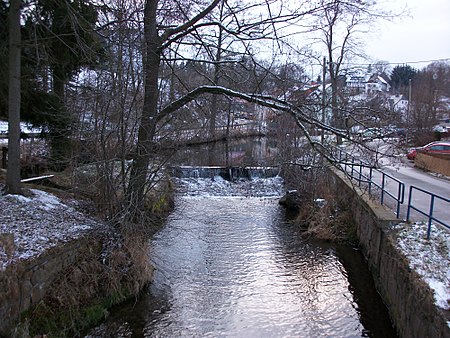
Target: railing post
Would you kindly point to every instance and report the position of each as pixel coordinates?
(430, 216)
(4, 156)
(353, 168)
(370, 180)
(360, 173)
(400, 197)
(409, 203)
(382, 188)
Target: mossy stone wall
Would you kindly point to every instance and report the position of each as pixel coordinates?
(24, 283)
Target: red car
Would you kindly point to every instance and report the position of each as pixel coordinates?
(437, 147)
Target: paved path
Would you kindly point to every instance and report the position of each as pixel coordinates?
(410, 175)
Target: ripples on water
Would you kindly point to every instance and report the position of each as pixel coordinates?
(229, 265)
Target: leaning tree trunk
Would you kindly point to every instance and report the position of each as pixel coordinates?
(13, 173)
(135, 197)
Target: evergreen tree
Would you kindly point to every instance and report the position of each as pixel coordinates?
(400, 78)
(67, 30)
(37, 100)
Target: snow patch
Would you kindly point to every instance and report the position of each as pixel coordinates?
(46, 200)
(441, 293)
(37, 223)
(429, 258)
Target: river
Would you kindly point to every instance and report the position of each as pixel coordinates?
(229, 263)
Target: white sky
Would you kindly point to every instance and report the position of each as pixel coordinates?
(424, 35)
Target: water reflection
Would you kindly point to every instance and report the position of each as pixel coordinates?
(255, 151)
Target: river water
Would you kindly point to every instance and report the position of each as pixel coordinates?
(230, 264)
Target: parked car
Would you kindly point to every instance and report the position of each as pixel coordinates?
(380, 133)
(370, 134)
(437, 147)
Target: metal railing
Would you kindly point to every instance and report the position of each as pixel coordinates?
(364, 173)
(368, 174)
(357, 170)
(430, 212)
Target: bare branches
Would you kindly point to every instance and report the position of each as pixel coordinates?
(186, 27)
(298, 113)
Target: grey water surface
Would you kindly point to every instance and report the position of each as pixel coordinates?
(230, 264)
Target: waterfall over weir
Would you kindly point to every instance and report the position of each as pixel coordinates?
(227, 173)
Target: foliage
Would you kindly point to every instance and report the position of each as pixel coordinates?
(65, 32)
(400, 77)
(56, 34)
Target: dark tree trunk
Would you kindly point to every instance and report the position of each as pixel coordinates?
(141, 160)
(13, 173)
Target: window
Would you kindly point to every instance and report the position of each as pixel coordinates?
(436, 148)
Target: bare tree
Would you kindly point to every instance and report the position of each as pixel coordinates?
(174, 38)
(161, 33)
(340, 25)
(428, 88)
(107, 102)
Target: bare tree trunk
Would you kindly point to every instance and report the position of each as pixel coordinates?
(141, 161)
(335, 108)
(13, 174)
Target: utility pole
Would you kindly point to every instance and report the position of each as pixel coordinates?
(408, 111)
(324, 70)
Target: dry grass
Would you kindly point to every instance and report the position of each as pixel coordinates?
(330, 221)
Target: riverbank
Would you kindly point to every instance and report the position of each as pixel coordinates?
(411, 272)
(60, 268)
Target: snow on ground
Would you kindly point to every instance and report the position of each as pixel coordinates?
(37, 222)
(429, 258)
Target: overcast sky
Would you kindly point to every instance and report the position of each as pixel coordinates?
(425, 35)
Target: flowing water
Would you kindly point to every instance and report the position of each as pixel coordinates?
(229, 264)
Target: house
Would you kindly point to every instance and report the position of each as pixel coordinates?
(398, 103)
(356, 84)
(376, 84)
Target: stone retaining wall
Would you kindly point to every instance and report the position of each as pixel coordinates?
(409, 300)
(25, 283)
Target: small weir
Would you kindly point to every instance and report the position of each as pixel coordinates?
(229, 264)
(227, 173)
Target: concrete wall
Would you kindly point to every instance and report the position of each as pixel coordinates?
(25, 283)
(409, 300)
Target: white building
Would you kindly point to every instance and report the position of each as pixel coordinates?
(398, 104)
(376, 84)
